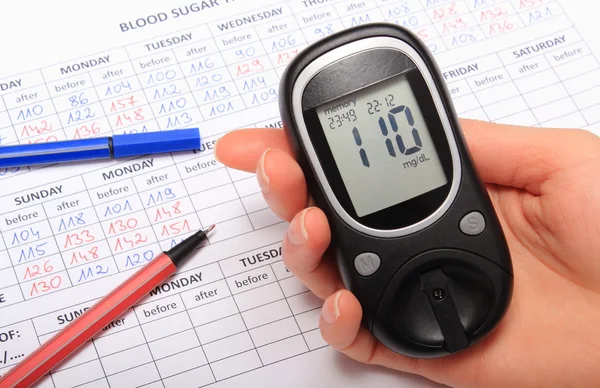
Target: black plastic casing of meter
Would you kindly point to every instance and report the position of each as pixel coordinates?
(436, 288)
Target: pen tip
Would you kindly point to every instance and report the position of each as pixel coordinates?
(209, 228)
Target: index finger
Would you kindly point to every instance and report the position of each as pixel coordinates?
(241, 149)
(507, 155)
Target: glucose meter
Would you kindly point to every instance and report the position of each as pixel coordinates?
(414, 233)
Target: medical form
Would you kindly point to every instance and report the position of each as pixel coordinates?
(234, 315)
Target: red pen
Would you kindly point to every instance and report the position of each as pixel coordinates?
(81, 330)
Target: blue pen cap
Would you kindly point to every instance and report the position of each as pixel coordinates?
(156, 142)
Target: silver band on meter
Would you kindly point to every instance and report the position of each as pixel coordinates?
(343, 52)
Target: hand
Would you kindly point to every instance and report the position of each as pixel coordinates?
(545, 187)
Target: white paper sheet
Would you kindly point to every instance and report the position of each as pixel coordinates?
(233, 316)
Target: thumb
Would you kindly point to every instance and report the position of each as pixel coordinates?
(525, 157)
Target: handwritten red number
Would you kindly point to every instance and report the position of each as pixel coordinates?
(167, 212)
(286, 57)
(454, 25)
(500, 27)
(175, 228)
(444, 12)
(127, 118)
(42, 286)
(252, 67)
(123, 243)
(35, 129)
(36, 270)
(123, 103)
(120, 226)
(89, 255)
(85, 131)
(76, 239)
(491, 14)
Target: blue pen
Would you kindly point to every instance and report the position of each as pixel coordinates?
(117, 146)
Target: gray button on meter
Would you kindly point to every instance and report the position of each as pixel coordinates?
(367, 263)
(472, 224)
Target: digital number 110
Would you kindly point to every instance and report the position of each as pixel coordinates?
(402, 147)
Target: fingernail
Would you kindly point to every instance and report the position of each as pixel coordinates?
(263, 180)
(297, 231)
(215, 150)
(331, 310)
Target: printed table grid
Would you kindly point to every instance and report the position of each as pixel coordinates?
(238, 312)
(94, 350)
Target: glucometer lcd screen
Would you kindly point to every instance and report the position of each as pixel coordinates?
(381, 145)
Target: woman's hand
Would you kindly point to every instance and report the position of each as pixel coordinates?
(545, 187)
